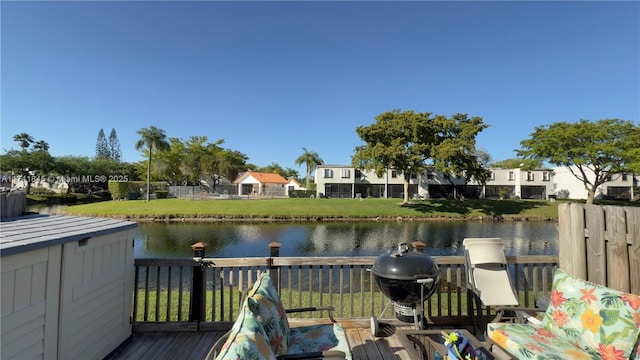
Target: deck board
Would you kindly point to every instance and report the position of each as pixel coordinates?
(192, 345)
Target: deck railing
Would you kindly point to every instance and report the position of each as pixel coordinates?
(179, 292)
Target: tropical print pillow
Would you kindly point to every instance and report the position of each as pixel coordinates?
(583, 321)
(605, 322)
(247, 340)
(264, 302)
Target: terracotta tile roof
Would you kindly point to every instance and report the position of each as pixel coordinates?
(262, 177)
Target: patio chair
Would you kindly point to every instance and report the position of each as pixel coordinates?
(488, 278)
(262, 331)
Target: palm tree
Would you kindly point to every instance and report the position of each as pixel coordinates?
(311, 159)
(41, 145)
(151, 138)
(24, 140)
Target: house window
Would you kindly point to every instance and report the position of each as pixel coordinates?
(394, 174)
(545, 176)
(413, 176)
(346, 173)
(624, 177)
(328, 173)
(512, 175)
(430, 174)
(530, 176)
(493, 175)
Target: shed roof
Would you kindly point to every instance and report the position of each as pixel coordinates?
(33, 232)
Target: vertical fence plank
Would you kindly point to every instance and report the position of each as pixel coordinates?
(633, 221)
(571, 243)
(168, 310)
(596, 259)
(146, 294)
(617, 256)
(180, 293)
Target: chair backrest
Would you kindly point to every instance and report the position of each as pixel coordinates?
(484, 251)
(487, 272)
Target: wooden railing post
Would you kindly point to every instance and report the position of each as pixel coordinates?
(274, 251)
(197, 306)
(419, 246)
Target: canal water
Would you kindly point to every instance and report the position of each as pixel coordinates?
(174, 240)
(162, 240)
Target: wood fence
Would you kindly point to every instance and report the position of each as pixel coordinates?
(601, 244)
(179, 294)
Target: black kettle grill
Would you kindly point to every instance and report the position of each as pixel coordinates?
(408, 279)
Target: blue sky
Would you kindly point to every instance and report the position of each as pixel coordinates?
(273, 77)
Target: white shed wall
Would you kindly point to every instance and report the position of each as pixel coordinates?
(67, 287)
(30, 289)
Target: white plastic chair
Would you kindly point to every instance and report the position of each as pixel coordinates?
(488, 276)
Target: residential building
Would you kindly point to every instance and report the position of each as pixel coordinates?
(618, 186)
(293, 185)
(345, 181)
(522, 184)
(261, 184)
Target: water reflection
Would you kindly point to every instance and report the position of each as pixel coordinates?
(173, 240)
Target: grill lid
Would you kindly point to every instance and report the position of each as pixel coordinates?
(402, 264)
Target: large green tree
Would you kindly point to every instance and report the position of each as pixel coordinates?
(591, 150)
(454, 152)
(151, 138)
(405, 141)
(310, 159)
(400, 140)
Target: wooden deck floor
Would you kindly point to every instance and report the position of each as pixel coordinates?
(195, 345)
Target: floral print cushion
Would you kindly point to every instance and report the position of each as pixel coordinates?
(263, 300)
(319, 337)
(583, 320)
(526, 341)
(247, 340)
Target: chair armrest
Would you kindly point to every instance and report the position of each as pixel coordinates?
(330, 354)
(518, 310)
(215, 349)
(330, 309)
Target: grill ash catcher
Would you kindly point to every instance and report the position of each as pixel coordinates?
(408, 279)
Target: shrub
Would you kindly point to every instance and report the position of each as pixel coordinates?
(504, 192)
(161, 194)
(301, 193)
(118, 189)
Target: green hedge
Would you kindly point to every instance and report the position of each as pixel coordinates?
(161, 194)
(302, 193)
(118, 189)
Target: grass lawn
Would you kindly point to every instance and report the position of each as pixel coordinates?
(310, 209)
(362, 307)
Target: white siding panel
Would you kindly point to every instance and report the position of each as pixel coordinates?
(29, 290)
(6, 295)
(39, 282)
(22, 288)
(11, 323)
(23, 330)
(95, 315)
